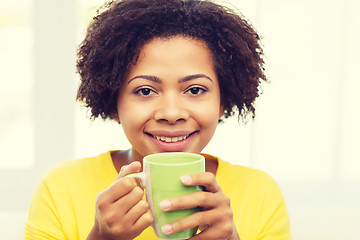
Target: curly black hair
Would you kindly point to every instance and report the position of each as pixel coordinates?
(116, 35)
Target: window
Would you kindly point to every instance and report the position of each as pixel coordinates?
(16, 77)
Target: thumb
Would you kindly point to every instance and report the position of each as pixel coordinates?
(133, 167)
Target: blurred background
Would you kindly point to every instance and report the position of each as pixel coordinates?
(306, 133)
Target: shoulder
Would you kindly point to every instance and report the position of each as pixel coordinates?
(74, 165)
(250, 178)
(235, 172)
(256, 200)
(241, 173)
(70, 170)
(233, 177)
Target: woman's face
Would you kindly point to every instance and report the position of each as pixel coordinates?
(170, 99)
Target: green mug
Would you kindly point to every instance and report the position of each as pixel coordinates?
(161, 180)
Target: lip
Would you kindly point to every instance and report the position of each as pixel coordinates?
(179, 146)
(169, 133)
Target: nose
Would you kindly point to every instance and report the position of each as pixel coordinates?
(171, 110)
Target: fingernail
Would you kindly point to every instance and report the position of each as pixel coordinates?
(121, 169)
(186, 179)
(167, 229)
(165, 205)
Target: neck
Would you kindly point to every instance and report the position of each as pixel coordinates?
(133, 155)
(121, 158)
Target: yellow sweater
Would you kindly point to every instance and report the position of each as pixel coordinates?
(63, 205)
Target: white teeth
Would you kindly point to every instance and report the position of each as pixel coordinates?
(170, 139)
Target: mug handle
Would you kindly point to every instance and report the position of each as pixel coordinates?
(140, 176)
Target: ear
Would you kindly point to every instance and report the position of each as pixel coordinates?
(221, 111)
(115, 116)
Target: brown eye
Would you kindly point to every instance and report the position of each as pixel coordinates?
(196, 90)
(144, 91)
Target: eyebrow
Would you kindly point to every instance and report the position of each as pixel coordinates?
(182, 80)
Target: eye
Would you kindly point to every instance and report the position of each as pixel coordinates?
(196, 90)
(144, 91)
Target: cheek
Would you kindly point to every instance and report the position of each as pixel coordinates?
(208, 112)
(133, 116)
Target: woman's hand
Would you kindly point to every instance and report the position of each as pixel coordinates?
(121, 213)
(216, 219)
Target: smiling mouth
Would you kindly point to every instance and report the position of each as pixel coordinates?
(168, 139)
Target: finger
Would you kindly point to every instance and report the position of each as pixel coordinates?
(143, 222)
(205, 200)
(115, 215)
(202, 235)
(206, 234)
(131, 168)
(203, 227)
(118, 189)
(126, 203)
(138, 210)
(121, 187)
(192, 221)
(220, 231)
(205, 179)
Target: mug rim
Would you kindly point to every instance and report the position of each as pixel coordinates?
(200, 158)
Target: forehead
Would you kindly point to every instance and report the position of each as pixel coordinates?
(177, 40)
(174, 49)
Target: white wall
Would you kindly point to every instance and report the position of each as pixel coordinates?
(306, 133)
